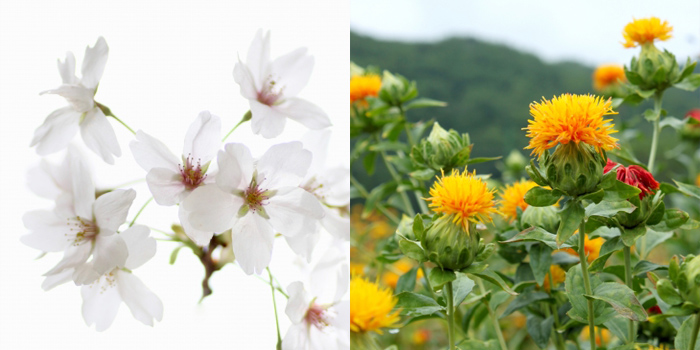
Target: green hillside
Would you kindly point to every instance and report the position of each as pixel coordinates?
(488, 88)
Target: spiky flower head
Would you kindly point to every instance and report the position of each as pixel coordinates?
(371, 307)
(464, 196)
(363, 86)
(512, 198)
(608, 75)
(645, 30)
(571, 118)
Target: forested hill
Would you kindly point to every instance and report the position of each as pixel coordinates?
(488, 87)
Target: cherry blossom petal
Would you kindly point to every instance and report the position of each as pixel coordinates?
(298, 303)
(211, 209)
(139, 245)
(284, 164)
(143, 304)
(101, 302)
(244, 78)
(202, 139)
(252, 241)
(79, 97)
(342, 319)
(56, 131)
(112, 208)
(338, 226)
(336, 185)
(329, 277)
(94, 63)
(56, 279)
(297, 337)
(48, 231)
(322, 340)
(150, 153)
(317, 141)
(99, 136)
(110, 252)
(267, 121)
(85, 273)
(40, 181)
(67, 69)
(166, 186)
(235, 167)
(304, 112)
(303, 245)
(83, 186)
(201, 238)
(292, 71)
(73, 256)
(259, 56)
(294, 211)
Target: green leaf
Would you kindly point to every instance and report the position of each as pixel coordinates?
(412, 249)
(439, 277)
(620, 191)
(668, 293)
(423, 174)
(369, 162)
(690, 83)
(407, 281)
(685, 333)
(535, 174)
(498, 298)
(482, 160)
(594, 197)
(413, 304)
(575, 290)
(651, 115)
(377, 194)
(524, 300)
(651, 240)
(609, 209)
(418, 227)
(673, 219)
(537, 234)
(470, 344)
(389, 146)
(571, 216)
(606, 250)
(541, 197)
(540, 260)
(494, 278)
(619, 326)
(629, 235)
(644, 266)
(423, 103)
(540, 329)
(672, 122)
(461, 287)
(621, 298)
(173, 255)
(688, 190)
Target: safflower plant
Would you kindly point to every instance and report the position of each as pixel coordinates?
(572, 228)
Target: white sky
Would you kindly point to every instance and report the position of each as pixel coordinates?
(555, 30)
(168, 61)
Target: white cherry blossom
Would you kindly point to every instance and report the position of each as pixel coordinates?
(82, 113)
(272, 87)
(256, 198)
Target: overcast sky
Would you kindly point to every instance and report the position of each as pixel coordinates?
(584, 31)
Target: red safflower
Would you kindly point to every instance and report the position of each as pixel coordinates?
(636, 176)
(694, 113)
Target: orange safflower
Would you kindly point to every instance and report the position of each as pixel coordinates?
(645, 30)
(371, 307)
(512, 198)
(363, 86)
(607, 75)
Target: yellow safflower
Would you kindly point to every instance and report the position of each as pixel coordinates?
(558, 276)
(363, 86)
(608, 74)
(570, 118)
(420, 336)
(512, 198)
(371, 307)
(602, 335)
(390, 278)
(645, 30)
(591, 247)
(464, 195)
(697, 181)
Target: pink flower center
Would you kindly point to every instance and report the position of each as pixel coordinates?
(269, 95)
(192, 176)
(318, 316)
(84, 230)
(255, 196)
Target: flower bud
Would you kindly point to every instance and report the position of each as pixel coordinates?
(448, 245)
(575, 169)
(691, 129)
(442, 149)
(654, 70)
(688, 280)
(544, 217)
(646, 202)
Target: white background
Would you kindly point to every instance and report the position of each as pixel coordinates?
(168, 61)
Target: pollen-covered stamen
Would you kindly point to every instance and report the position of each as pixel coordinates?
(270, 92)
(192, 174)
(81, 230)
(255, 197)
(316, 188)
(319, 316)
(106, 281)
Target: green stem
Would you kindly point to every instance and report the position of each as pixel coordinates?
(120, 121)
(274, 304)
(139, 212)
(427, 280)
(628, 281)
(397, 178)
(492, 315)
(586, 280)
(246, 117)
(379, 206)
(108, 112)
(450, 315)
(696, 330)
(560, 344)
(657, 130)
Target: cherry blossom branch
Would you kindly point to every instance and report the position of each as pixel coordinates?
(139, 212)
(274, 304)
(108, 112)
(246, 117)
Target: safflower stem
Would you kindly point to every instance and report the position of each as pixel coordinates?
(450, 315)
(657, 131)
(586, 280)
(628, 281)
(494, 319)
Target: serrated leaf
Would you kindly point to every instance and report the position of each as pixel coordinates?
(413, 304)
(608, 209)
(575, 290)
(620, 191)
(621, 298)
(439, 277)
(571, 216)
